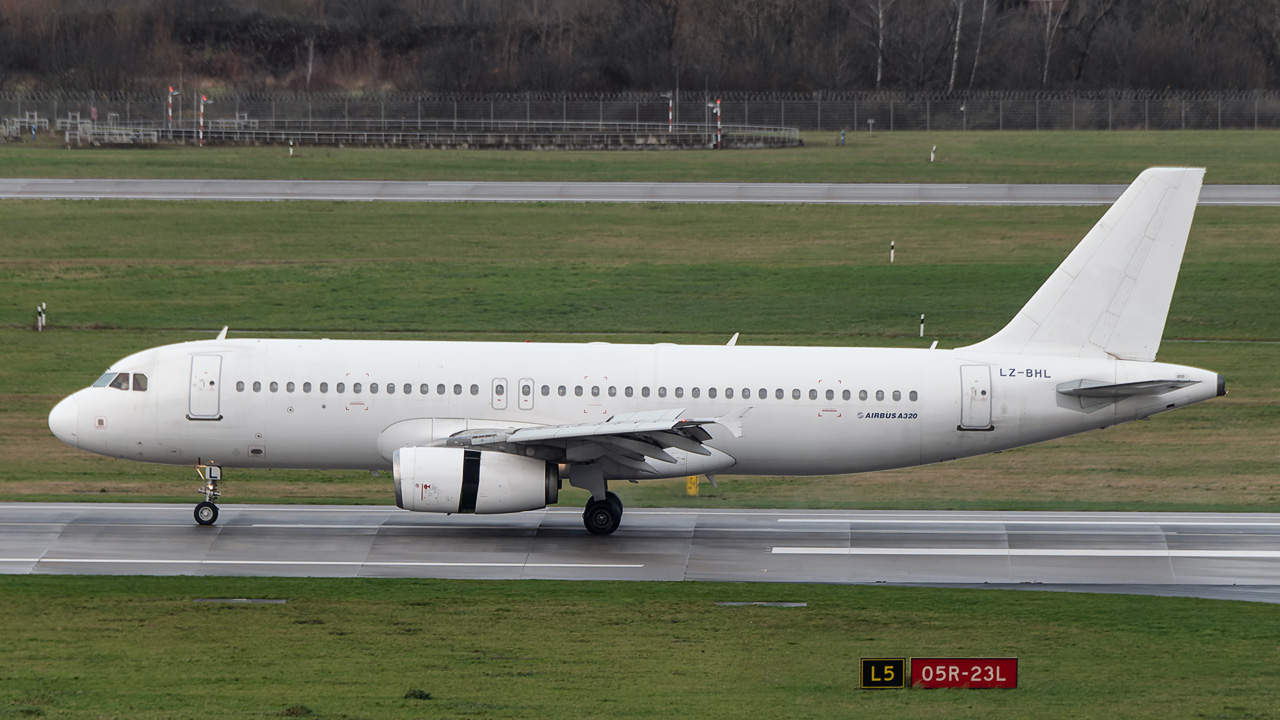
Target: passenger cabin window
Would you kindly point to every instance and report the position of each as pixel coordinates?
(764, 394)
(457, 389)
(408, 389)
(373, 388)
(139, 382)
(356, 388)
(879, 395)
(340, 387)
(696, 392)
(240, 386)
(324, 387)
(526, 390)
(728, 393)
(778, 393)
(275, 386)
(595, 391)
(546, 390)
(306, 387)
(831, 394)
(257, 386)
(846, 394)
(662, 391)
(629, 391)
(391, 388)
(577, 390)
(913, 396)
(795, 393)
(644, 391)
(711, 393)
(289, 386)
(862, 394)
(746, 393)
(561, 390)
(498, 390)
(897, 395)
(440, 389)
(679, 392)
(813, 394)
(613, 391)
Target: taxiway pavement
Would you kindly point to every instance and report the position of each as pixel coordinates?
(624, 192)
(1214, 555)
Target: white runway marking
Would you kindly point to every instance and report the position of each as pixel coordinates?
(1001, 521)
(1035, 552)
(320, 563)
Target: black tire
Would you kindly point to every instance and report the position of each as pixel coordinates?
(614, 500)
(602, 517)
(206, 513)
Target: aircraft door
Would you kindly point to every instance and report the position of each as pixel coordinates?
(499, 394)
(975, 399)
(526, 394)
(206, 386)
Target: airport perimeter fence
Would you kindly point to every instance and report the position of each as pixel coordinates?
(829, 111)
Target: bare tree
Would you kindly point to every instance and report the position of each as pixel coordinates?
(977, 48)
(1085, 26)
(1053, 11)
(874, 15)
(311, 59)
(955, 54)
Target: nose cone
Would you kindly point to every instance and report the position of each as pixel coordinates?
(63, 420)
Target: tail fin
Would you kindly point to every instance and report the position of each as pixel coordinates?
(1111, 296)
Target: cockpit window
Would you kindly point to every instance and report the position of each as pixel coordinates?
(105, 380)
(139, 382)
(121, 382)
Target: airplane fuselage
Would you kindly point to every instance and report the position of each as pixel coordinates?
(333, 404)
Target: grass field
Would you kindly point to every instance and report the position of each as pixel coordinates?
(989, 157)
(141, 648)
(122, 276)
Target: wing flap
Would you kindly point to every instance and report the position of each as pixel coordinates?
(630, 440)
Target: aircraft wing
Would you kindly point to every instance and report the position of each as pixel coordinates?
(630, 440)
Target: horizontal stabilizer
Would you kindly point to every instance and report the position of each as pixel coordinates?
(1099, 389)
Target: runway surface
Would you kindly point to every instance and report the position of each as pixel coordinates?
(776, 193)
(1213, 555)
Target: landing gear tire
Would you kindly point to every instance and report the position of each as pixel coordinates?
(602, 517)
(206, 513)
(614, 500)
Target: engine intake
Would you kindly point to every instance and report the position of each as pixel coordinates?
(454, 480)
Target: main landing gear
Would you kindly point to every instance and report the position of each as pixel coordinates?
(604, 509)
(603, 516)
(206, 512)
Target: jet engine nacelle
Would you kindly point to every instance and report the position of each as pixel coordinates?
(452, 480)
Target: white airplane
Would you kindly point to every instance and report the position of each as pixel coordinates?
(496, 427)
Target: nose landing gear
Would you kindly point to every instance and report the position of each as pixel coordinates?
(206, 512)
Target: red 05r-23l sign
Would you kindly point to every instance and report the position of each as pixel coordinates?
(975, 673)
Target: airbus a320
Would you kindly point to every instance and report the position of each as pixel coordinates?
(472, 427)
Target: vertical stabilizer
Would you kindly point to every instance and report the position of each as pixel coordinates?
(1110, 297)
